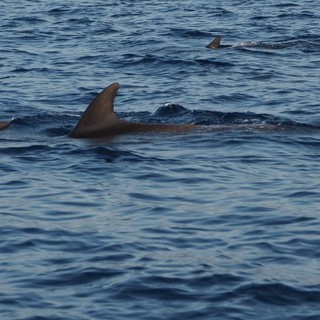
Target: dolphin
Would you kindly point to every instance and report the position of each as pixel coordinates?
(99, 119)
(216, 44)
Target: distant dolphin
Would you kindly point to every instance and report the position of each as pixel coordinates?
(216, 44)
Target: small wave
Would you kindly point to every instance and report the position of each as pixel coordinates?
(171, 109)
(279, 294)
(112, 155)
(70, 278)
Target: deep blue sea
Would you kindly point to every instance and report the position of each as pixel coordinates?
(203, 225)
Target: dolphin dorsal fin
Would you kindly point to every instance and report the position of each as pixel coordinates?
(99, 114)
(215, 44)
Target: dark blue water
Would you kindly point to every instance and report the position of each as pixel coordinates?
(206, 225)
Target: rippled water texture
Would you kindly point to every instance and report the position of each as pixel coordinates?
(204, 225)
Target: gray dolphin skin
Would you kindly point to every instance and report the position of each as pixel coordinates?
(99, 120)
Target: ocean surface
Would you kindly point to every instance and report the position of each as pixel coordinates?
(203, 225)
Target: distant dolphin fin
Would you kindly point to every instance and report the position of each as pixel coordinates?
(99, 115)
(4, 125)
(215, 44)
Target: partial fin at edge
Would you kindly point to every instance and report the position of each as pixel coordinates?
(4, 125)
